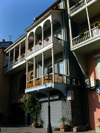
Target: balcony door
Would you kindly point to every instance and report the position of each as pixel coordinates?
(94, 28)
(60, 67)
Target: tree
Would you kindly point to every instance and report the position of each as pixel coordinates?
(31, 105)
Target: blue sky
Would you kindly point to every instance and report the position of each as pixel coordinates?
(17, 15)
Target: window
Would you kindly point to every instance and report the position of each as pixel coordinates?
(60, 67)
(31, 75)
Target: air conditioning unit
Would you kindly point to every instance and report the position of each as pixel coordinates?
(75, 82)
(90, 83)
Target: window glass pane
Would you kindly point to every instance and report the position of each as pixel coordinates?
(61, 67)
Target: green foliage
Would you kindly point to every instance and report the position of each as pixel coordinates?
(98, 119)
(63, 120)
(31, 105)
(81, 34)
(98, 26)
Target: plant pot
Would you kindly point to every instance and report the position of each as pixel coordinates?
(63, 127)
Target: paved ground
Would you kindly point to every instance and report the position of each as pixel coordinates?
(32, 130)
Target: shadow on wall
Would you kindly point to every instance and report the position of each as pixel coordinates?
(94, 108)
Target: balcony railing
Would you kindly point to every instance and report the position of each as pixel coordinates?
(59, 78)
(78, 6)
(46, 43)
(18, 60)
(79, 39)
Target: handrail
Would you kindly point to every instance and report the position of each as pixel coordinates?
(79, 39)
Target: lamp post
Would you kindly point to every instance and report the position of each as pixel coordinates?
(49, 128)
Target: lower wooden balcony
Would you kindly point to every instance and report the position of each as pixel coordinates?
(59, 78)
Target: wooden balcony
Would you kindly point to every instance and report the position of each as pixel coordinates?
(46, 42)
(59, 78)
(78, 6)
(15, 62)
(87, 42)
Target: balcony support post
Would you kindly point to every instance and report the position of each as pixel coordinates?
(53, 67)
(42, 37)
(26, 47)
(87, 14)
(14, 55)
(34, 70)
(19, 51)
(42, 68)
(26, 73)
(9, 59)
(51, 30)
(34, 41)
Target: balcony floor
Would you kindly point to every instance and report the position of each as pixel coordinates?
(42, 91)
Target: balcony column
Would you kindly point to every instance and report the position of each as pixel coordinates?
(26, 48)
(34, 41)
(42, 37)
(26, 73)
(14, 55)
(53, 66)
(42, 68)
(70, 28)
(87, 13)
(34, 70)
(19, 51)
(9, 59)
(64, 63)
(51, 31)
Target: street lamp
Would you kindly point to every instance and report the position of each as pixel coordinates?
(49, 128)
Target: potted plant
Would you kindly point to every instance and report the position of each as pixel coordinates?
(64, 127)
(99, 26)
(81, 34)
(40, 42)
(77, 4)
(22, 55)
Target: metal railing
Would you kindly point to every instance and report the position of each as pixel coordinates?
(85, 36)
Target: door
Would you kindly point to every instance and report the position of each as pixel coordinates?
(94, 29)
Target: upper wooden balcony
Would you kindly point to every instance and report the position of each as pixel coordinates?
(47, 42)
(78, 6)
(78, 12)
(85, 43)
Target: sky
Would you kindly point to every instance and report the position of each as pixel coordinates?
(17, 15)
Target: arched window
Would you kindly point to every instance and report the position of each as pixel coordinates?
(31, 75)
(22, 83)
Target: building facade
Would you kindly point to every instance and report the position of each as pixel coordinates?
(84, 21)
(4, 83)
(40, 60)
